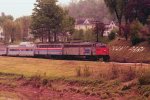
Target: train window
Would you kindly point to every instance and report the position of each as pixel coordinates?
(103, 46)
(13, 49)
(28, 49)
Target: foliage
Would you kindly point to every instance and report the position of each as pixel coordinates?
(78, 35)
(49, 19)
(24, 25)
(78, 72)
(112, 35)
(99, 30)
(117, 7)
(68, 23)
(145, 90)
(86, 71)
(87, 9)
(4, 17)
(9, 30)
(149, 40)
(137, 10)
(84, 35)
(89, 35)
(145, 79)
(136, 37)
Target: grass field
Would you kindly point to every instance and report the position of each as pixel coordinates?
(55, 68)
(87, 78)
(52, 68)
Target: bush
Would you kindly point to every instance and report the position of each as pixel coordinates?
(112, 35)
(78, 72)
(86, 71)
(113, 72)
(128, 75)
(149, 40)
(135, 39)
(145, 79)
(145, 90)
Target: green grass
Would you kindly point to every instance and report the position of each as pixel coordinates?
(33, 66)
(54, 68)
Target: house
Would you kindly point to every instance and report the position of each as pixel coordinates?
(1, 34)
(109, 28)
(84, 24)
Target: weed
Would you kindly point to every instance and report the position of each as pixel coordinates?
(45, 82)
(114, 72)
(78, 72)
(145, 90)
(128, 75)
(117, 83)
(126, 87)
(86, 71)
(145, 79)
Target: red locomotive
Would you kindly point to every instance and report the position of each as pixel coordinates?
(68, 50)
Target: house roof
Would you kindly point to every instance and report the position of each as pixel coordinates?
(84, 21)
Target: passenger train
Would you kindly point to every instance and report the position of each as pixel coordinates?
(85, 50)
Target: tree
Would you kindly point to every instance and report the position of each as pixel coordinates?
(87, 8)
(137, 9)
(117, 7)
(47, 17)
(4, 17)
(68, 23)
(99, 30)
(24, 24)
(9, 30)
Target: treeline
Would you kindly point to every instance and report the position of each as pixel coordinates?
(52, 23)
(133, 17)
(15, 30)
(90, 9)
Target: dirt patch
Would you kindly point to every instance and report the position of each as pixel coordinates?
(29, 92)
(67, 90)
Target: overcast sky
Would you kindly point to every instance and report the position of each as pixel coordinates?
(19, 8)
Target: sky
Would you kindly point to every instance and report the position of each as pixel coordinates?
(18, 8)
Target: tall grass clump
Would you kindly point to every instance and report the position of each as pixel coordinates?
(78, 71)
(123, 74)
(113, 72)
(128, 74)
(145, 78)
(83, 72)
(86, 71)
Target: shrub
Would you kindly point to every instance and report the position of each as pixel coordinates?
(145, 90)
(78, 72)
(135, 39)
(112, 35)
(45, 82)
(114, 72)
(86, 71)
(128, 75)
(149, 40)
(145, 79)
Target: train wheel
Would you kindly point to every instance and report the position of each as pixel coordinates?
(106, 58)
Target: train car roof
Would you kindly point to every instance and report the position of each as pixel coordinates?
(13, 45)
(84, 43)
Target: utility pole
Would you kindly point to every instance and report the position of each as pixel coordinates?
(97, 30)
